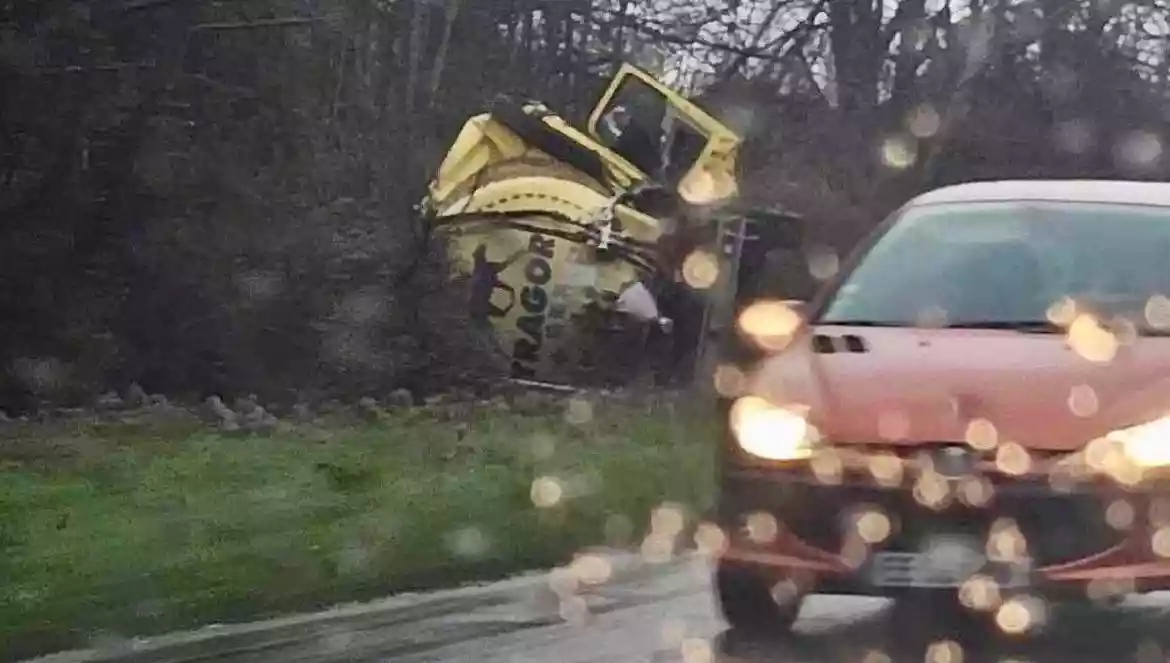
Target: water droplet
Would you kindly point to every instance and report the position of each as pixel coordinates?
(667, 520)
(823, 263)
(592, 569)
(729, 381)
(887, 469)
(1020, 614)
(1006, 542)
(770, 324)
(1012, 458)
(827, 467)
(899, 152)
(468, 542)
(1091, 341)
(931, 490)
(975, 491)
(945, 651)
(762, 527)
(924, 121)
(578, 411)
(1120, 514)
(786, 591)
(1160, 542)
(700, 270)
(981, 435)
(546, 492)
(1138, 150)
(657, 549)
(543, 446)
(1082, 401)
(875, 656)
(696, 650)
(1062, 312)
(873, 526)
(710, 540)
(1157, 312)
(980, 592)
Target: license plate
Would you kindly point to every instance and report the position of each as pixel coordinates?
(942, 562)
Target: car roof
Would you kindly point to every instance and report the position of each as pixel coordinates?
(1081, 191)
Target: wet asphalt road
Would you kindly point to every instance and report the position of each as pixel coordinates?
(670, 617)
(644, 614)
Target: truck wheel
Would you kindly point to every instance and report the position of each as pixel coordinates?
(745, 599)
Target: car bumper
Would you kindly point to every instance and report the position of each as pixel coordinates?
(1097, 541)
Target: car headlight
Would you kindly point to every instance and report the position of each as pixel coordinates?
(771, 432)
(1145, 445)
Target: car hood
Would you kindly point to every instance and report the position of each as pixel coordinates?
(908, 386)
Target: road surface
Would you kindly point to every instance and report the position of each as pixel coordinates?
(630, 612)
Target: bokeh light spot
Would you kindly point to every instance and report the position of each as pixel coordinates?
(1006, 542)
(980, 592)
(932, 490)
(592, 569)
(873, 526)
(827, 467)
(887, 469)
(1062, 312)
(1138, 150)
(710, 540)
(696, 650)
(1082, 401)
(1089, 339)
(700, 270)
(1012, 458)
(823, 263)
(770, 324)
(1160, 542)
(761, 527)
(730, 381)
(899, 152)
(975, 491)
(1120, 514)
(924, 121)
(981, 434)
(945, 651)
(1157, 312)
(578, 411)
(547, 492)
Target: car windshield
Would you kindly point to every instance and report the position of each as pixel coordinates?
(1009, 265)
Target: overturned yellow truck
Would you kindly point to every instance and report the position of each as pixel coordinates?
(575, 246)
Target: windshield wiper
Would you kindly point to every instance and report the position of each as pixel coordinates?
(861, 323)
(1025, 326)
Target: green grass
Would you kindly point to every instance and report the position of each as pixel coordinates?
(140, 530)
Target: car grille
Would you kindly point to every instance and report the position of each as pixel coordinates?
(1057, 527)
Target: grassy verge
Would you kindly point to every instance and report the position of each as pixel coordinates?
(146, 529)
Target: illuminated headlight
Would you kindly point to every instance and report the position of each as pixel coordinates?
(1146, 445)
(771, 432)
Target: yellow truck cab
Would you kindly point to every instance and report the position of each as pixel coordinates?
(556, 232)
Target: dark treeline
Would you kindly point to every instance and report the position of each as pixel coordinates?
(216, 197)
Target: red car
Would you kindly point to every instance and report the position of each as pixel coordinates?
(976, 407)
